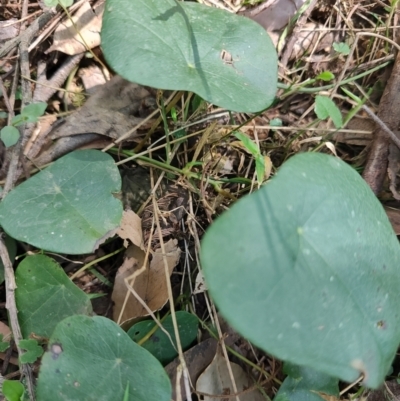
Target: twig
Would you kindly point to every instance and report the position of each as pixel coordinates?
(376, 168)
(9, 105)
(27, 34)
(44, 92)
(293, 38)
(12, 173)
(13, 314)
(182, 361)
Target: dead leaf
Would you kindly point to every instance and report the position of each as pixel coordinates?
(87, 25)
(393, 170)
(394, 218)
(150, 285)
(198, 358)
(277, 15)
(268, 167)
(9, 29)
(131, 228)
(113, 110)
(326, 397)
(389, 391)
(312, 37)
(200, 285)
(216, 381)
(92, 78)
(5, 331)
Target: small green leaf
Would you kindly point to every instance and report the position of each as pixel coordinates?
(54, 3)
(250, 145)
(9, 135)
(81, 350)
(33, 351)
(13, 390)
(34, 110)
(3, 114)
(126, 394)
(67, 3)
(326, 76)
(45, 295)
(158, 343)
(326, 107)
(228, 60)
(304, 384)
(68, 207)
(342, 48)
(260, 168)
(276, 122)
(18, 120)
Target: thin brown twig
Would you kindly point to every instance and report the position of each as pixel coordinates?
(9, 106)
(290, 44)
(27, 34)
(13, 314)
(182, 361)
(46, 88)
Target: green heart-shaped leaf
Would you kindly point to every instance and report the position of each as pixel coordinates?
(68, 207)
(226, 59)
(93, 359)
(307, 268)
(45, 296)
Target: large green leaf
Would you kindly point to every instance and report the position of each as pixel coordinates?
(93, 359)
(226, 59)
(45, 296)
(68, 207)
(307, 268)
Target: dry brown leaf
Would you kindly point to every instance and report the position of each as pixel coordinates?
(113, 110)
(131, 228)
(198, 358)
(394, 218)
(311, 37)
(5, 331)
(149, 285)
(277, 15)
(87, 25)
(92, 78)
(9, 29)
(200, 285)
(216, 380)
(326, 397)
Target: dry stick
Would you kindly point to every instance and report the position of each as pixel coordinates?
(289, 46)
(171, 302)
(46, 88)
(10, 180)
(12, 310)
(225, 352)
(350, 56)
(376, 168)
(9, 106)
(27, 34)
